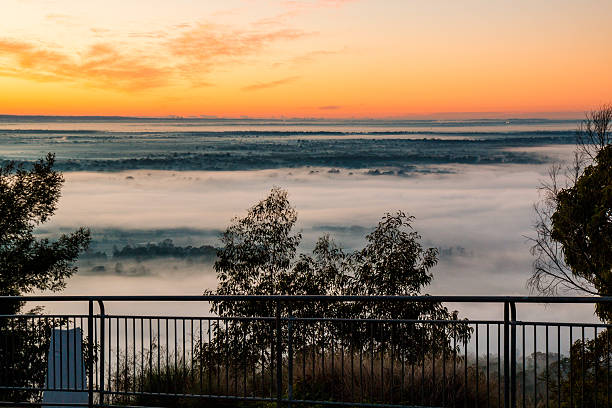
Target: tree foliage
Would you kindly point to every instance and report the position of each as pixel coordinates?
(259, 256)
(582, 224)
(28, 198)
(573, 246)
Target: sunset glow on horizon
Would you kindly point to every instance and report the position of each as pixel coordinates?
(317, 58)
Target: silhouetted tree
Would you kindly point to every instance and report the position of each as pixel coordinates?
(28, 197)
(573, 243)
(259, 257)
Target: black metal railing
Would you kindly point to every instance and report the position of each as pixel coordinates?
(290, 359)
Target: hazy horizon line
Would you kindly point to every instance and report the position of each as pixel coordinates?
(450, 116)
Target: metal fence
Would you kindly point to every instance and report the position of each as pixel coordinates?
(296, 359)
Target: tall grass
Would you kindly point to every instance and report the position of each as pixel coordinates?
(343, 377)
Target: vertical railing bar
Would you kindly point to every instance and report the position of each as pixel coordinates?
(342, 345)
(271, 330)
(159, 352)
(4, 345)
(117, 319)
(95, 336)
(352, 351)
(290, 361)
(67, 385)
(608, 365)
(235, 367)
(535, 366)
(361, 347)
(263, 371)
(142, 354)
(151, 353)
(332, 355)
(209, 362)
(433, 364)
(27, 341)
(201, 357)
(559, 366)
(422, 364)
(372, 361)
(110, 356)
(488, 379)
(191, 363)
(14, 346)
(184, 355)
(454, 366)
(322, 340)
(596, 362)
(74, 344)
(175, 350)
(582, 368)
(279, 357)
(227, 359)
(244, 380)
(90, 355)
(102, 340)
(465, 373)
(477, 371)
(61, 352)
(547, 362)
(444, 367)
(127, 382)
(523, 387)
(499, 359)
(382, 363)
(506, 354)
(167, 367)
(134, 354)
(402, 352)
(513, 402)
(571, 368)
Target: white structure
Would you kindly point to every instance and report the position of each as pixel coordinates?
(66, 369)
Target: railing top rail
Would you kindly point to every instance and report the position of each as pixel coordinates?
(308, 298)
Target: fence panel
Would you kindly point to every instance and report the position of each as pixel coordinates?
(100, 359)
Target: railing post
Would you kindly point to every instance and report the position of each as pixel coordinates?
(279, 357)
(290, 361)
(513, 355)
(506, 355)
(102, 336)
(90, 354)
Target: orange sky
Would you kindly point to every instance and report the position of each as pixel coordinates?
(323, 58)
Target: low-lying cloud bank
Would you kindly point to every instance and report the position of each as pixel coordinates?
(486, 210)
(477, 215)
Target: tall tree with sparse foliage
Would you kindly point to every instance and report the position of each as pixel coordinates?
(573, 243)
(259, 257)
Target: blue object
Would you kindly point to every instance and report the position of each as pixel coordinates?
(65, 369)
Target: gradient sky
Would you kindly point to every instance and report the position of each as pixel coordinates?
(321, 58)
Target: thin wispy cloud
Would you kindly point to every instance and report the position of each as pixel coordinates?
(211, 41)
(270, 84)
(187, 55)
(59, 18)
(312, 4)
(101, 65)
(306, 58)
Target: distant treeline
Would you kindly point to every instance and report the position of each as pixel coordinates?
(163, 249)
